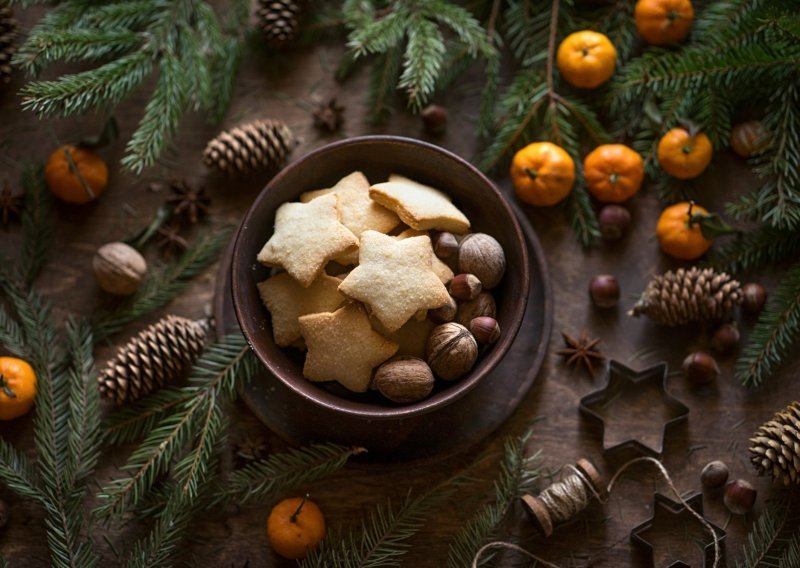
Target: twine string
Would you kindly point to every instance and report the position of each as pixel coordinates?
(572, 494)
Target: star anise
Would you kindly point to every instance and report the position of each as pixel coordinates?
(9, 204)
(190, 202)
(329, 116)
(170, 240)
(250, 448)
(581, 351)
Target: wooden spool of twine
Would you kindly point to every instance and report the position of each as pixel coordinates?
(561, 501)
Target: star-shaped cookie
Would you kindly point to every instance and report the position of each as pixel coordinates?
(306, 237)
(286, 301)
(394, 278)
(419, 206)
(437, 265)
(343, 347)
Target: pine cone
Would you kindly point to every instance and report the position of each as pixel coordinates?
(8, 30)
(278, 20)
(776, 446)
(261, 144)
(683, 296)
(159, 354)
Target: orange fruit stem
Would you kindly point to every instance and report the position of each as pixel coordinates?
(294, 516)
(531, 173)
(73, 167)
(6, 388)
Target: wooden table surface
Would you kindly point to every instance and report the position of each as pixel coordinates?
(287, 86)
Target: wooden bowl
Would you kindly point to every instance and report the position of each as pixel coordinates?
(377, 157)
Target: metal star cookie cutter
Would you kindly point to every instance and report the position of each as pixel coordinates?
(628, 395)
(664, 506)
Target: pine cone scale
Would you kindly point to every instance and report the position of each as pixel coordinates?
(775, 447)
(261, 144)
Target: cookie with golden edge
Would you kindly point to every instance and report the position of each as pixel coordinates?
(441, 269)
(419, 206)
(286, 301)
(343, 347)
(306, 237)
(394, 278)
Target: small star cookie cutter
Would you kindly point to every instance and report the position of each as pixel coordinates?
(626, 392)
(664, 506)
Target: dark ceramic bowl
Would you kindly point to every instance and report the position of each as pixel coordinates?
(377, 157)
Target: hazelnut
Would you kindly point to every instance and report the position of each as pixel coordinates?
(739, 497)
(614, 221)
(434, 117)
(604, 291)
(480, 254)
(700, 368)
(465, 287)
(714, 475)
(5, 513)
(451, 351)
(753, 298)
(725, 338)
(119, 268)
(485, 329)
(445, 245)
(483, 305)
(444, 313)
(404, 379)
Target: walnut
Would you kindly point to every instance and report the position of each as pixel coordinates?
(119, 268)
(451, 351)
(482, 306)
(480, 254)
(404, 379)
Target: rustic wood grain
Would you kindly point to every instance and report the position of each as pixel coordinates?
(287, 85)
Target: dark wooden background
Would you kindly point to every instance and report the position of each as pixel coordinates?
(288, 86)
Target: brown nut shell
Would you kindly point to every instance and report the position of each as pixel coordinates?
(482, 305)
(404, 379)
(485, 329)
(480, 254)
(119, 268)
(445, 313)
(465, 287)
(451, 351)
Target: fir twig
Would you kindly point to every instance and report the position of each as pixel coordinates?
(37, 222)
(161, 288)
(775, 333)
(759, 247)
(135, 420)
(518, 474)
(774, 538)
(275, 474)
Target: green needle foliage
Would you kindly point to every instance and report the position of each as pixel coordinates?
(37, 222)
(382, 538)
(518, 475)
(194, 54)
(774, 539)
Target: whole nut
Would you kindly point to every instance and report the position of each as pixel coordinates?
(444, 313)
(739, 497)
(714, 475)
(483, 305)
(119, 268)
(434, 117)
(485, 329)
(614, 221)
(451, 351)
(754, 296)
(404, 379)
(446, 245)
(480, 254)
(700, 368)
(725, 338)
(465, 287)
(604, 291)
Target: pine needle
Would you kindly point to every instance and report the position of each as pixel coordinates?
(37, 222)
(774, 538)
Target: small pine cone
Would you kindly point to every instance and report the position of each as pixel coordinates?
(8, 30)
(684, 296)
(278, 20)
(261, 144)
(159, 354)
(776, 446)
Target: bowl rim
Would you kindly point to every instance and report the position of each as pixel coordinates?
(332, 401)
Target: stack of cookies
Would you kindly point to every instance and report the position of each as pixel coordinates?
(357, 276)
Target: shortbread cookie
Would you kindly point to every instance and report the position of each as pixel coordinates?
(306, 237)
(441, 269)
(343, 347)
(394, 278)
(286, 301)
(419, 206)
(412, 337)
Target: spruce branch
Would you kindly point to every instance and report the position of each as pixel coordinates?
(382, 539)
(18, 473)
(279, 472)
(518, 475)
(135, 420)
(162, 287)
(11, 336)
(759, 247)
(37, 222)
(777, 330)
(774, 537)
